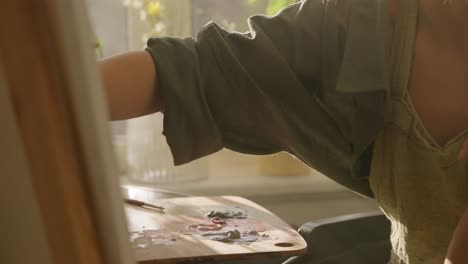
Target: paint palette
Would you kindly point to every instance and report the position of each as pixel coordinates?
(198, 229)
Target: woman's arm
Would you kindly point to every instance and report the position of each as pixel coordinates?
(131, 84)
(458, 249)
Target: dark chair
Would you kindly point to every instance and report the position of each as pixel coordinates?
(353, 239)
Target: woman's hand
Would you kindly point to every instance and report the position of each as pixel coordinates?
(457, 252)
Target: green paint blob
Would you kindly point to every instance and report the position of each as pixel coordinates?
(227, 214)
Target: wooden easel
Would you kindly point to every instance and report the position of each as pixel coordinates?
(51, 84)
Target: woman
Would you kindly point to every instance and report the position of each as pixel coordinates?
(370, 93)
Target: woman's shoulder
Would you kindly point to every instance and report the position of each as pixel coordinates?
(344, 12)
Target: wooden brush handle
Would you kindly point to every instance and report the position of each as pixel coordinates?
(142, 204)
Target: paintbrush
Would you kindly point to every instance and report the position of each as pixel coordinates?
(143, 204)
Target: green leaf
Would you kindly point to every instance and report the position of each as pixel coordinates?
(275, 6)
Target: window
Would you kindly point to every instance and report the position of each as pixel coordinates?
(122, 25)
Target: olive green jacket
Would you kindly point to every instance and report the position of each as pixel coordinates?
(312, 81)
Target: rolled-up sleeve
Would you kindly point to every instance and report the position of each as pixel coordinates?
(242, 91)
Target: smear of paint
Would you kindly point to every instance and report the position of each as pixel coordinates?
(148, 238)
(206, 227)
(218, 221)
(227, 214)
(233, 234)
(236, 237)
(252, 232)
(229, 237)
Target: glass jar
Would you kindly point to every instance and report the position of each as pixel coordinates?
(149, 157)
